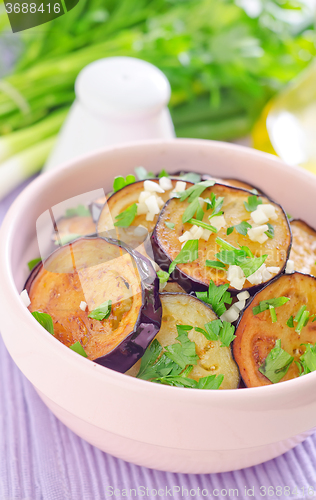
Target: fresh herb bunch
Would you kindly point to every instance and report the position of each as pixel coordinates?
(222, 62)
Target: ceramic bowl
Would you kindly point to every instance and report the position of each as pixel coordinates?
(167, 428)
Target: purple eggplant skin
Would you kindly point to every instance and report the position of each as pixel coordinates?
(189, 284)
(148, 322)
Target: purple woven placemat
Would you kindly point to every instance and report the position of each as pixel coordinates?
(40, 459)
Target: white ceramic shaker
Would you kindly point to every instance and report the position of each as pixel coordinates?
(118, 99)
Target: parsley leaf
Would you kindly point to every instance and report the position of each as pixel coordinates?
(290, 323)
(308, 359)
(195, 191)
(210, 382)
(150, 356)
(80, 211)
(203, 225)
(215, 204)
(252, 265)
(170, 225)
(276, 364)
(243, 227)
(142, 174)
(264, 304)
(189, 253)
(120, 182)
(230, 230)
(184, 353)
(220, 330)
(191, 210)
(101, 312)
(215, 264)
(163, 173)
(253, 202)
(232, 257)
(77, 347)
(125, 219)
(45, 320)
(226, 334)
(32, 263)
(270, 232)
(216, 296)
(212, 329)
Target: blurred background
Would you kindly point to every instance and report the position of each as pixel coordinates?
(237, 69)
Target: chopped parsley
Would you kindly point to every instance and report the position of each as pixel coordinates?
(77, 347)
(308, 359)
(195, 191)
(170, 225)
(242, 227)
(163, 173)
(203, 225)
(220, 330)
(215, 204)
(276, 364)
(253, 202)
(251, 265)
(290, 322)
(172, 365)
(142, 174)
(32, 263)
(192, 209)
(239, 257)
(45, 320)
(189, 253)
(216, 296)
(120, 182)
(270, 232)
(101, 312)
(80, 211)
(125, 219)
(264, 304)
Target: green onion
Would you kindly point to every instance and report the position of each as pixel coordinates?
(203, 225)
(23, 165)
(300, 313)
(273, 314)
(302, 322)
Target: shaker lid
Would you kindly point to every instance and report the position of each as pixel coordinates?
(122, 87)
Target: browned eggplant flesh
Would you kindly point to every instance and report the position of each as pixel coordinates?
(290, 324)
(303, 251)
(233, 229)
(79, 278)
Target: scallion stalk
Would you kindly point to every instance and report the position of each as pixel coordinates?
(23, 165)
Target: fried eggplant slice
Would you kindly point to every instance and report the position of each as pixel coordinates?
(303, 251)
(93, 271)
(180, 309)
(256, 334)
(196, 275)
(127, 197)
